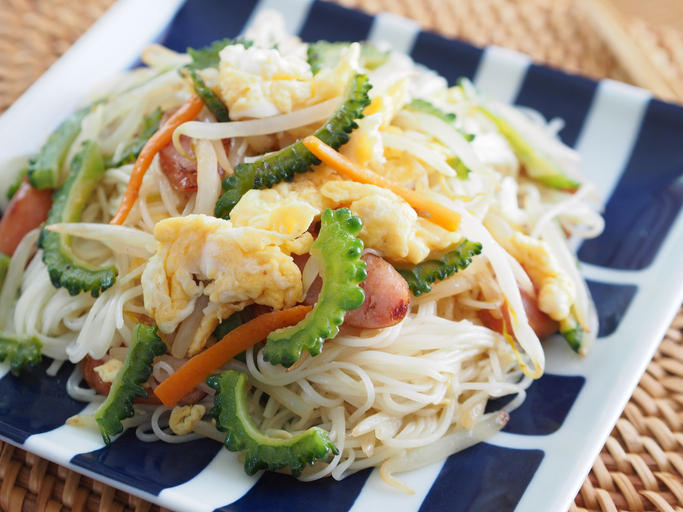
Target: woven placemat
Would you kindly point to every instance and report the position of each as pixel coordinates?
(640, 467)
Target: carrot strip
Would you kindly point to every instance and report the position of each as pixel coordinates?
(192, 373)
(187, 112)
(437, 213)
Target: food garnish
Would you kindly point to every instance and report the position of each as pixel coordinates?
(231, 411)
(337, 251)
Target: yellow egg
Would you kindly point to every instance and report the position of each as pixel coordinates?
(390, 225)
(556, 291)
(233, 266)
(259, 82)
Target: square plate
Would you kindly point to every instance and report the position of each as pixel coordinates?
(631, 147)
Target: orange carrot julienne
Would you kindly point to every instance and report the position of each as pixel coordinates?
(187, 112)
(193, 372)
(435, 212)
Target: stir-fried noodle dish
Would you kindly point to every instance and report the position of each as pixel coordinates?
(320, 255)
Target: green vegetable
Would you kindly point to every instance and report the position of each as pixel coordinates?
(207, 57)
(338, 251)
(44, 168)
(425, 107)
(461, 170)
(229, 324)
(324, 54)
(19, 352)
(127, 385)
(65, 268)
(422, 275)
(538, 166)
(231, 412)
(150, 124)
(282, 165)
(16, 183)
(210, 98)
(4, 265)
(572, 332)
(420, 105)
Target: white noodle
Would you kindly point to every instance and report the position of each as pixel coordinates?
(275, 124)
(208, 179)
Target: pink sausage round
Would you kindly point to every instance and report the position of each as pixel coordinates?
(387, 296)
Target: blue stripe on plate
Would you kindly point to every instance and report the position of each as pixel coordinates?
(275, 491)
(648, 197)
(333, 22)
(200, 22)
(548, 401)
(34, 402)
(483, 478)
(150, 467)
(611, 301)
(452, 59)
(556, 94)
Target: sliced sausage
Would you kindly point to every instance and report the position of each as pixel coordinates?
(27, 210)
(387, 296)
(541, 323)
(91, 377)
(180, 170)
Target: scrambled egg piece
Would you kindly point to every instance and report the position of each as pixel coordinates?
(184, 417)
(287, 208)
(556, 291)
(108, 370)
(365, 146)
(263, 82)
(390, 225)
(388, 104)
(403, 168)
(233, 266)
(260, 82)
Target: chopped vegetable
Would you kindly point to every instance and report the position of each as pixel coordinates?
(420, 105)
(422, 275)
(19, 352)
(229, 324)
(231, 411)
(192, 373)
(16, 183)
(461, 170)
(207, 57)
(4, 265)
(210, 98)
(540, 167)
(338, 251)
(190, 109)
(129, 381)
(425, 107)
(44, 168)
(65, 268)
(437, 213)
(296, 158)
(150, 124)
(572, 331)
(324, 54)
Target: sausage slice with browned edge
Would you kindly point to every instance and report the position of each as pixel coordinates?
(27, 210)
(387, 296)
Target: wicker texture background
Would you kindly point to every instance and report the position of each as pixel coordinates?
(640, 467)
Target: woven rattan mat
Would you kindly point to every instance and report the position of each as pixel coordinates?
(640, 467)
